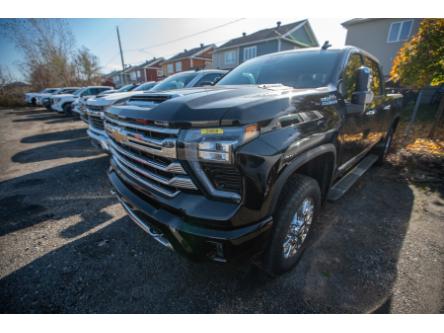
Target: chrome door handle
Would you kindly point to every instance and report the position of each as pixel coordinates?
(370, 112)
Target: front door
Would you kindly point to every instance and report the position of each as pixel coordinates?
(352, 133)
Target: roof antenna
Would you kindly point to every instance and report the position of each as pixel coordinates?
(326, 45)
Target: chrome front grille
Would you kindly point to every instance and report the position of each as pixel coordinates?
(95, 121)
(147, 154)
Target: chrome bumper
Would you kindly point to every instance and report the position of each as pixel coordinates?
(100, 137)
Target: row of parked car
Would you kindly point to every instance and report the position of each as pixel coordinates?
(240, 168)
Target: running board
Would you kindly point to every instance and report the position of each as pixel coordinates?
(346, 182)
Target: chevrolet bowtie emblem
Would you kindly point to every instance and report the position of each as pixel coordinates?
(118, 136)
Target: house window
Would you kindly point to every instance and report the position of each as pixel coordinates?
(399, 31)
(250, 52)
(133, 76)
(178, 66)
(230, 57)
(170, 68)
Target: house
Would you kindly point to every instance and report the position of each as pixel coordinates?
(381, 37)
(112, 79)
(196, 58)
(152, 69)
(278, 38)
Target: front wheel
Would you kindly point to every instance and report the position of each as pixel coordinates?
(293, 220)
(67, 109)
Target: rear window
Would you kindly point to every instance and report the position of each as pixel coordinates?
(305, 69)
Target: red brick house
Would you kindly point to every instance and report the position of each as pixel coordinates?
(153, 69)
(197, 58)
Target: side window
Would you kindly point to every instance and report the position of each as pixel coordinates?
(349, 76)
(208, 78)
(376, 75)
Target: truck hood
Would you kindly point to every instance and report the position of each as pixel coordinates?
(217, 105)
(111, 98)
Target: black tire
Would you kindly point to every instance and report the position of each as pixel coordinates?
(298, 189)
(385, 145)
(33, 101)
(67, 109)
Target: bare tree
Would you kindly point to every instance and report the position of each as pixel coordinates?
(87, 66)
(50, 56)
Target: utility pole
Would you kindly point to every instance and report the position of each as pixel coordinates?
(121, 56)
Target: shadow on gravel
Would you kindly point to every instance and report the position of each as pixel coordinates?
(56, 136)
(79, 188)
(350, 266)
(42, 117)
(30, 112)
(75, 148)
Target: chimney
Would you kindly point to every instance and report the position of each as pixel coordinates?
(278, 23)
(201, 45)
(244, 34)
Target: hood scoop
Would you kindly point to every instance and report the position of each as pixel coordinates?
(149, 99)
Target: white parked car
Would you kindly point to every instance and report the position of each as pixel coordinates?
(63, 103)
(31, 98)
(94, 108)
(45, 99)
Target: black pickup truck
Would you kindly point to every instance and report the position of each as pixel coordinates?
(241, 168)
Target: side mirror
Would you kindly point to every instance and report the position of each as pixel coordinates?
(363, 94)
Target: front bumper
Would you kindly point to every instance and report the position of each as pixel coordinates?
(99, 138)
(58, 107)
(192, 240)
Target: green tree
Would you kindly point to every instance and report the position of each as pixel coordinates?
(420, 62)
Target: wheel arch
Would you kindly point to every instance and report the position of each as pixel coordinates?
(318, 163)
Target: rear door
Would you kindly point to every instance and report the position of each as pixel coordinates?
(374, 114)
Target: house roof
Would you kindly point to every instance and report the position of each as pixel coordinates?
(151, 62)
(275, 32)
(192, 52)
(354, 21)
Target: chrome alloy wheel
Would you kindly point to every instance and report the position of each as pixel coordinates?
(298, 229)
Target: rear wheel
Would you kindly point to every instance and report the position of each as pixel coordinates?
(386, 144)
(293, 220)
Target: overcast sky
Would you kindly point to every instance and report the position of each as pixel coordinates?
(141, 37)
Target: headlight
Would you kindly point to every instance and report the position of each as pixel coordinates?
(56, 100)
(216, 144)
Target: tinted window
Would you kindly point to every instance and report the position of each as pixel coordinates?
(376, 75)
(349, 76)
(86, 92)
(126, 88)
(306, 69)
(145, 86)
(208, 79)
(176, 81)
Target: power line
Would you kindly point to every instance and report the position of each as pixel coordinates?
(187, 36)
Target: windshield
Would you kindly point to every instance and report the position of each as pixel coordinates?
(126, 88)
(176, 81)
(145, 86)
(306, 69)
(78, 92)
(67, 91)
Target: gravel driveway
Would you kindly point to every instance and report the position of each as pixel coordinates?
(67, 246)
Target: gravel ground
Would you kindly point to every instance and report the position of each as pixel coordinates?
(67, 246)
